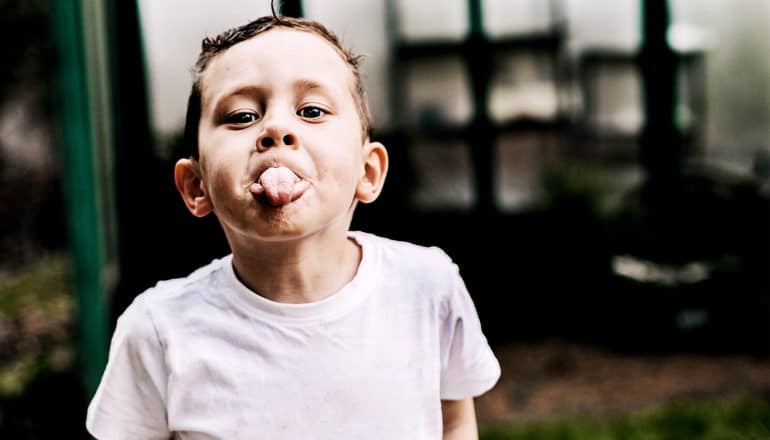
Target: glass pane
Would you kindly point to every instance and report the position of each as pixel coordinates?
(520, 161)
(512, 17)
(432, 19)
(437, 92)
(523, 86)
(604, 23)
(444, 175)
(614, 100)
(735, 77)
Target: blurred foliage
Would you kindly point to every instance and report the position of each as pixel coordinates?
(711, 214)
(43, 286)
(700, 246)
(715, 420)
(40, 391)
(577, 187)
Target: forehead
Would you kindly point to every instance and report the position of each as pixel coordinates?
(277, 56)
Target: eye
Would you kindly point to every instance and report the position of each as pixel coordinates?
(242, 117)
(311, 112)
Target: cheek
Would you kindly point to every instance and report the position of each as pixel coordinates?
(219, 178)
(337, 155)
(347, 172)
(336, 174)
(219, 181)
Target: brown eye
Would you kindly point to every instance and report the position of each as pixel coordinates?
(242, 118)
(311, 112)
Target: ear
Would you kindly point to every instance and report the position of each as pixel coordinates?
(187, 177)
(375, 169)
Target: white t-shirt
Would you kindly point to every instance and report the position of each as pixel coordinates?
(204, 357)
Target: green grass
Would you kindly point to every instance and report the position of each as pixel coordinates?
(712, 420)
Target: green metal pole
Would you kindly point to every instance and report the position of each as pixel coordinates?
(661, 143)
(80, 174)
(475, 17)
(479, 62)
(291, 8)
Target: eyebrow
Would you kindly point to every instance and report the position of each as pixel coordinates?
(307, 85)
(249, 90)
(299, 86)
(304, 85)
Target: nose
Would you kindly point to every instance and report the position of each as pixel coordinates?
(274, 135)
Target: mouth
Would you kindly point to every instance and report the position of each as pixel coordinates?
(278, 186)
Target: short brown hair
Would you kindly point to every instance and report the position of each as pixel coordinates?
(211, 47)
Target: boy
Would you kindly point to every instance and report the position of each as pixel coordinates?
(307, 330)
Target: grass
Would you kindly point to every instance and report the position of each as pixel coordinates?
(704, 420)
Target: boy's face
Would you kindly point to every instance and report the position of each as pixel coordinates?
(280, 100)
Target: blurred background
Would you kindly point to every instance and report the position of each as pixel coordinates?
(599, 170)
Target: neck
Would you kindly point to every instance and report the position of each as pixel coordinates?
(298, 271)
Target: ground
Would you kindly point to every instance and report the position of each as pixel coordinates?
(558, 379)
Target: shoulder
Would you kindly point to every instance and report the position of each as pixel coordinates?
(172, 297)
(405, 253)
(428, 268)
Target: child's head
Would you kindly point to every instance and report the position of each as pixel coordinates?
(278, 134)
(211, 47)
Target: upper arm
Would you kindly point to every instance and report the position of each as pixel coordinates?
(468, 365)
(130, 401)
(459, 418)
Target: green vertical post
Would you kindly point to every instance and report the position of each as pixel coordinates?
(475, 18)
(661, 143)
(478, 60)
(81, 173)
(291, 8)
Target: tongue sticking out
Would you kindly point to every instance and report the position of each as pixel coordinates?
(279, 185)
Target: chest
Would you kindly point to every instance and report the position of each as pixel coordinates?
(362, 371)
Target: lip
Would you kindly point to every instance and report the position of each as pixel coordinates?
(275, 163)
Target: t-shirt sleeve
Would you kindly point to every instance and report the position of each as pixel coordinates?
(469, 368)
(130, 400)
